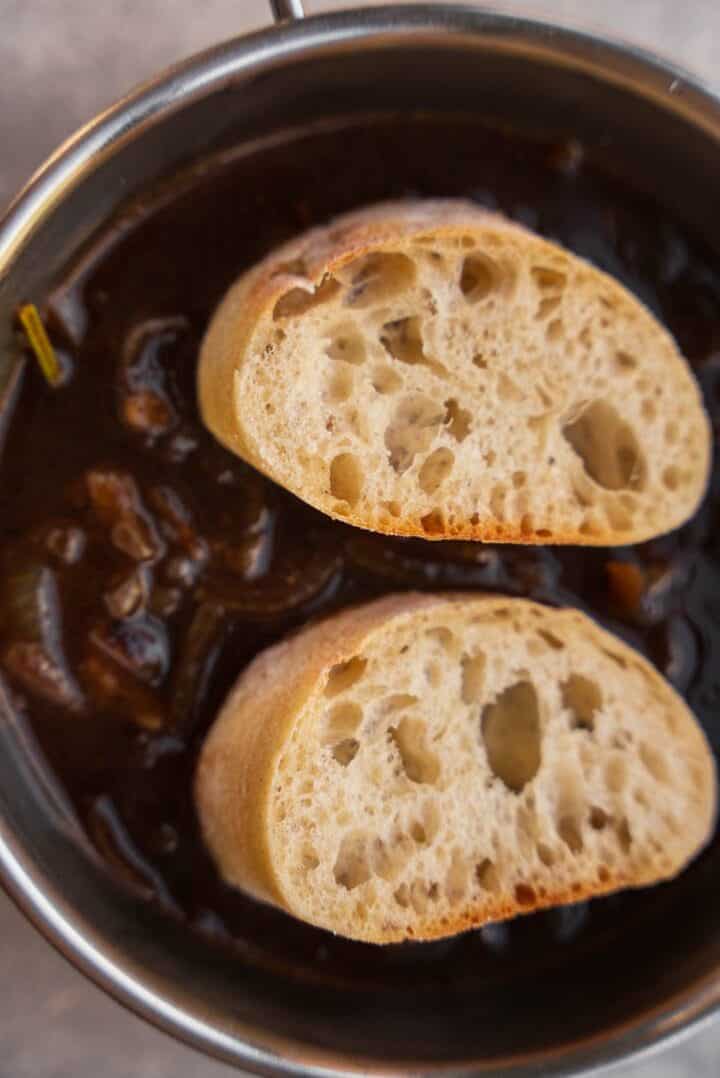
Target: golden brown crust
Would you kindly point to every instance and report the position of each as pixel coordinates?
(491, 913)
(488, 532)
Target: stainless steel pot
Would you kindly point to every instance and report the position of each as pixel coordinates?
(660, 128)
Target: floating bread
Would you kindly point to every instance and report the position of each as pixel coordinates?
(420, 765)
(430, 369)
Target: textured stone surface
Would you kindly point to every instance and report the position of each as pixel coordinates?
(60, 62)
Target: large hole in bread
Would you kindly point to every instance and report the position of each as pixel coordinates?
(418, 833)
(309, 859)
(625, 361)
(414, 425)
(671, 478)
(352, 867)
(346, 478)
(582, 698)
(473, 677)
(345, 751)
(457, 420)
(434, 257)
(619, 519)
(511, 732)
(435, 470)
(342, 721)
(624, 835)
(654, 761)
(402, 339)
(433, 523)
(615, 658)
(345, 675)
(402, 896)
(445, 638)
(649, 409)
(569, 831)
(340, 386)
(419, 763)
(550, 639)
(385, 380)
(546, 855)
(378, 277)
(607, 447)
(547, 306)
(359, 423)
(548, 279)
(555, 330)
(525, 895)
(389, 857)
(434, 674)
(346, 344)
(480, 277)
(298, 300)
(487, 875)
(397, 701)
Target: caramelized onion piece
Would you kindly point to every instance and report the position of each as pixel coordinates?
(43, 675)
(31, 606)
(145, 403)
(148, 412)
(250, 558)
(109, 835)
(198, 653)
(647, 594)
(176, 522)
(626, 582)
(128, 596)
(118, 693)
(66, 543)
(286, 588)
(115, 499)
(399, 562)
(31, 630)
(139, 646)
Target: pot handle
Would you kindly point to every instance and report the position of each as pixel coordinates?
(287, 9)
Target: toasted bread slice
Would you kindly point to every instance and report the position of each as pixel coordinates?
(421, 765)
(430, 369)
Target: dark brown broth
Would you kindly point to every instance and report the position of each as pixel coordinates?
(254, 560)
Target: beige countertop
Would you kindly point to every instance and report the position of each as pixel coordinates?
(60, 62)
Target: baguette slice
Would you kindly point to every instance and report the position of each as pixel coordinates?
(430, 369)
(420, 765)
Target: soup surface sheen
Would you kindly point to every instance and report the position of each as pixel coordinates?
(143, 566)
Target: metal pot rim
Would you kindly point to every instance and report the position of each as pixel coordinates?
(615, 63)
